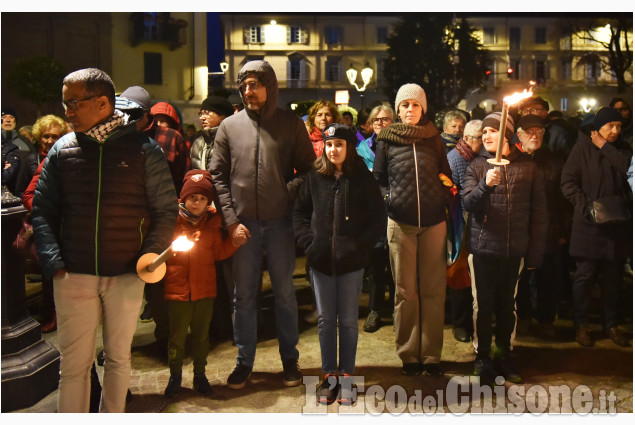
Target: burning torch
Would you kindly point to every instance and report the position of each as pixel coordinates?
(151, 267)
(507, 101)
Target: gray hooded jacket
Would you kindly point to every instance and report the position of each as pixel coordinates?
(259, 159)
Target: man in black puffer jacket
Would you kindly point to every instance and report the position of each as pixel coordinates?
(104, 198)
(507, 225)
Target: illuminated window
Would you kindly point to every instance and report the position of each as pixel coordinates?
(296, 35)
(254, 34)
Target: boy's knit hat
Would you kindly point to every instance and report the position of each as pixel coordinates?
(605, 115)
(198, 182)
(411, 91)
(494, 120)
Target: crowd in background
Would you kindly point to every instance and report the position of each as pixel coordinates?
(378, 203)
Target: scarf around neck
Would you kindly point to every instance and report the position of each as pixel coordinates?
(101, 131)
(464, 150)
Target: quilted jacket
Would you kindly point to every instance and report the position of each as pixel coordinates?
(408, 160)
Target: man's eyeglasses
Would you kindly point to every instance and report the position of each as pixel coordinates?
(383, 120)
(204, 112)
(536, 132)
(253, 85)
(479, 138)
(531, 111)
(72, 104)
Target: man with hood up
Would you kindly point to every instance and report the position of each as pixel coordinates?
(260, 157)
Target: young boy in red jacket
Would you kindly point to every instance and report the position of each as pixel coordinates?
(190, 280)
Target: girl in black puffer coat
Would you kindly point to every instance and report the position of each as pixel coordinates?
(338, 217)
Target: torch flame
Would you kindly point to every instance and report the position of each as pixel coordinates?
(182, 243)
(517, 97)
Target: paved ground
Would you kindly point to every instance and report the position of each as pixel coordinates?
(605, 370)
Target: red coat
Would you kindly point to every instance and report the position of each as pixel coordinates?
(27, 196)
(191, 275)
(317, 141)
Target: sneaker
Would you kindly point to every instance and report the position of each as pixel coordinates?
(347, 393)
(582, 337)
(291, 374)
(327, 390)
(484, 369)
(373, 322)
(146, 314)
(412, 369)
(238, 378)
(201, 384)
(506, 367)
(617, 337)
(174, 386)
(432, 369)
(461, 335)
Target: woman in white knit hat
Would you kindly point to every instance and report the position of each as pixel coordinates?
(410, 157)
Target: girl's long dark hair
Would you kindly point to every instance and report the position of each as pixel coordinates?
(326, 167)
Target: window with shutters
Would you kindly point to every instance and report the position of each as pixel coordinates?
(254, 34)
(296, 35)
(489, 35)
(540, 36)
(333, 35)
(382, 35)
(332, 69)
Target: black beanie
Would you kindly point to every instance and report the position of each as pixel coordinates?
(340, 131)
(604, 115)
(198, 181)
(7, 110)
(217, 104)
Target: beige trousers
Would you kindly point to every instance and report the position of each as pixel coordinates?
(82, 302)
(418, 262)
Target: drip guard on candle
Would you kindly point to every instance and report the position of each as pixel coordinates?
(150, 276)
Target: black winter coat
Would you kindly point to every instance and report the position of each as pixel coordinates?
(337, 222)
(590, 174)
(558, 208)
(508, 220)
(99, 206)
(408, 161)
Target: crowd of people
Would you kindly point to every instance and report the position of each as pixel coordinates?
(372, 204)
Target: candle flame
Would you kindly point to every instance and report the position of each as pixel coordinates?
(182, 243)
(517, 97)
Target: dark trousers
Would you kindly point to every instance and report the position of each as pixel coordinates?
(461, 308)
(380, 276)
(608, 273)
(159, 311)
(196, 316)
(494, 284)
(547, 283)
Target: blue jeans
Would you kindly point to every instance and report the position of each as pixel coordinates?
(337, 299)
(276, 240)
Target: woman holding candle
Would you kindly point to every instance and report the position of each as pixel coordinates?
(503, 192)
(338, 216)
(408, 160)
(190, 279)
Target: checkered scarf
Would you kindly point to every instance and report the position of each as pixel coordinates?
(101, 131)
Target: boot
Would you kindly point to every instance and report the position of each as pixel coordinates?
(51, 325)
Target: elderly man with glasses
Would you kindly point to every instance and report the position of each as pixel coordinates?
(556, 137)
(546, 279)
(104, 198)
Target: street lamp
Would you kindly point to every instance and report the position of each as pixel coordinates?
(587, 104)
(367, 74)
(224, 66)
